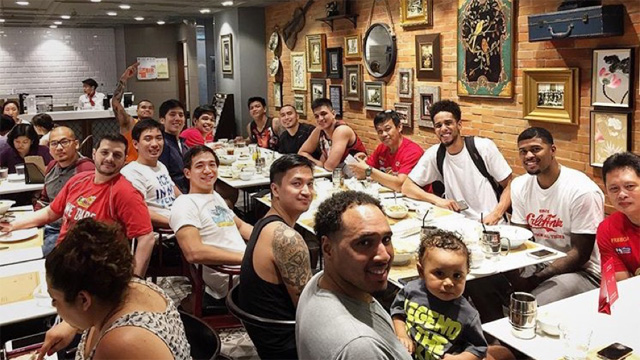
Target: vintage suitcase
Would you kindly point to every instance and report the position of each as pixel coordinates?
(586, 22)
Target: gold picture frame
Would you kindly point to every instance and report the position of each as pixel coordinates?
(416, 13)
(352, 47)
(316, 47)
(551, 95)
(298, 72)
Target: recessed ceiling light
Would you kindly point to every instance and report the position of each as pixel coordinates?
(53, 26)
(227, 3)
(112, 13)
(96, 1)
(95, 36)
(22, 3)
(160, 22)
(58, 22)
(65, 17)
(1, 20)
(138, 18)
(125, 7)
(204, 11)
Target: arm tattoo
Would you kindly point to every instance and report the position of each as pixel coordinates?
(117, 93)
(292, 257)
(121, 116)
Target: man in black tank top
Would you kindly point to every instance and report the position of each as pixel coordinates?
(276, 265)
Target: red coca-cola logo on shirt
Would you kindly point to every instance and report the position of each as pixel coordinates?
(544, 221)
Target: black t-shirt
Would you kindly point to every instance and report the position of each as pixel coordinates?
(291, 144)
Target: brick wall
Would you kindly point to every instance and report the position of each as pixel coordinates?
(500, 120)
(55, 61)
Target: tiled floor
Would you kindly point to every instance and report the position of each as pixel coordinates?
(235, 342)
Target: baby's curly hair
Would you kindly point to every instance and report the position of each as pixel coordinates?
(445, 240)
(95, 257)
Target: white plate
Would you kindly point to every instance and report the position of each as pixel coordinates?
(516, 234)
(18, 235)
(487, 268)
(15, 178)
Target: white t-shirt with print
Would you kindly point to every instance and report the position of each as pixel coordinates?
(212, 217)
(573, 204)
(462, 179)
(154, 183)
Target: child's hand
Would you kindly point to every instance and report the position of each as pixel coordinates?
(408, 343)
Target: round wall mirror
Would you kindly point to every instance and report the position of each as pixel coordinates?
(379, 50)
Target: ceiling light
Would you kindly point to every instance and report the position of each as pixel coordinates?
(138, 18)
(65, 17)
(227, 3)
(1, 20)
(125, 7)
(22, 3)
(112, 13)
(160, 22)
(58, 22)
(96, 1)
(53, 26)
(204, 11)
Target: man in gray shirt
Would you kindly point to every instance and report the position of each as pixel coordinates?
(337, 316)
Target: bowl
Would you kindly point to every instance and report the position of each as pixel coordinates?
(549, 324)
(247, 174)
(5, 205)
(227, 159)
(396, 211)
(401, 258)
(517, 235)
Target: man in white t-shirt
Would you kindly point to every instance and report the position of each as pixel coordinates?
(150, 176)
(462, 179)
(208, 232)
(563, 208)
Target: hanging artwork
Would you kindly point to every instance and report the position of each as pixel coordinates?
(416, 13)
(352, 82)
(404, 112)
(610, 134)
(277, 94)
(426, 96)
(334, 63)
(316, 45)
(352, 47)
(611, 78)
(318, 89)
(300, 103)
(485, 48)
(226, 49)
(405, 83)
(551, 95)
(298, 73)
(374, 95)
(335, 95)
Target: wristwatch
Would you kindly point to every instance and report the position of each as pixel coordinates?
(367, 171)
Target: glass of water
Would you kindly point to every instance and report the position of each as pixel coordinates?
(337, 178)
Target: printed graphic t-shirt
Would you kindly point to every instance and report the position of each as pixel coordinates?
(154, 183)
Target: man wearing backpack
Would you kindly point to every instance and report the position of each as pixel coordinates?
(474, 172)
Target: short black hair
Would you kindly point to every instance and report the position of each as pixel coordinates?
(145, 100)
(113, 138)
(536, 132)
(43, 120)
(145, 124)
(168, 105)
(321, 102)
(195, 151)
(328, 218)
(24, 130)
(288, 105)
(259, 99)
(90, 82)
(6, 123)
(448, 106)
(285, 163)
(203, 109)
(14, 102)
(383, 116)
(619, 161)
(443, 239)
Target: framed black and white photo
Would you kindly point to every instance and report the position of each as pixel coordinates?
(552, 95)
(318, 89)
(298, 72)
(612, 78)
(335, 95)
(425, 97)
(316, 45)
(352, 82)
(226, 52)
(405, 113)
(405, 83)
(334, 63)
(374, 95)
(300, 103)
(277, 94)
(352, 47)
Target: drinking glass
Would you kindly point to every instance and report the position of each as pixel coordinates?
(20, 169)
(576, 339)
(337, 177)
(491, 244)
(4, 173)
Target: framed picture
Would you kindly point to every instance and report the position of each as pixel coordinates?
(335, 95)
(298, 71)
(300, 103)
(316, 45)
(610, 134)
(404, 111)
(334, 63)
(428, 57)
(551, 95)
(485, 48)
(352, 47)
(352, 82)
(416, 13)
(405, 83)
(226, 51)
(277, 94)
(374, 95)
(611, 77)
(318, 89)
(425, 97)
(274, 66)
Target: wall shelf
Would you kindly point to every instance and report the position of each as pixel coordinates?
(329, 19)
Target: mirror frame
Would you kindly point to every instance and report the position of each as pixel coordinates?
(394, 51)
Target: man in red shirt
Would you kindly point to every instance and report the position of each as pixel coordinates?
(103, 195)
(618, 236)
(393, 159)
(204, 125)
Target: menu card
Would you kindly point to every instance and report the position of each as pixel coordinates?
(608, 288)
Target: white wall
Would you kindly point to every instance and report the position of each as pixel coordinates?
(55, 61)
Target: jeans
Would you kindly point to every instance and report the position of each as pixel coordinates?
(51, 233)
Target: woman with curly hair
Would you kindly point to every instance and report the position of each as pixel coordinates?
(90, 279)
(23, 141)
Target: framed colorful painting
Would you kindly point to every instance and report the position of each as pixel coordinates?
(611, 78)
(610, 134)
(485, 48)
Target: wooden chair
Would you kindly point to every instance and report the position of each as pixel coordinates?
(205, 342)
(159, 264)
(246, 317)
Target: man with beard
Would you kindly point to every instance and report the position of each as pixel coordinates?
(104, 195)
(144, 110)
(296, 133)
(172, 117)
(276, 265)
(563, 208)
(337, 316)
(463, 180)
(148, 175)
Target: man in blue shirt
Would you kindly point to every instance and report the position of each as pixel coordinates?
(172, 117)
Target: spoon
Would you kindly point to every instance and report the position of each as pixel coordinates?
(424, 218)
(395, 198)
(482, 222)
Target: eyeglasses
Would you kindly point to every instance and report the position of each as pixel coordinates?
(63, 142)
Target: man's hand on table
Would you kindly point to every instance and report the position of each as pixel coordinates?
(492, 218)
(448, 204)
(6, 227)
(359, 168)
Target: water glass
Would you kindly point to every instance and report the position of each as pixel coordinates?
(4, 173)
(576, 339)
(337, 177)
(523, 309)
(491, 244)
(20, 169)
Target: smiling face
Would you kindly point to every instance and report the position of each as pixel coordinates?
(325, 117)
(447, 128)
(149, 146)
(145, 110)
(109, 157)
(389, 134)
(444, 272)
(295, 191)
(12, 110)
(536, 155)
(288, 117)
(360, 255)
(202, 174)
(256, 110)
(623, 189)
(205, 123)
(173, 121)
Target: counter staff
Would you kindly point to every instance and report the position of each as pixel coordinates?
(90, 100)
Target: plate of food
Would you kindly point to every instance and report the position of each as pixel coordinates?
(18, 235)
(396, 211)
